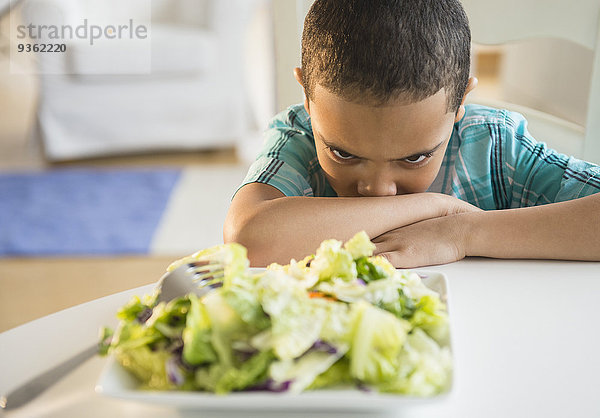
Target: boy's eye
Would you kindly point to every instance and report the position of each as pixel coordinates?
(342, 155)
(416, 159)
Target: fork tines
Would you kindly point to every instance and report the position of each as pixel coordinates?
(205, 271)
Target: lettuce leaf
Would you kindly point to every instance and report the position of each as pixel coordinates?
(431, 316)
(377, 343)
(331, 260)
(336, 375)
(147, 365)
(296, 320)
(250, 373)
(197, 347)
(360, 246)
(302, 372)
(426, 368)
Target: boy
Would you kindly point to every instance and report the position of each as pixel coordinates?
(384, 143)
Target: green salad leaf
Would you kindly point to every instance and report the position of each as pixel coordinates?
(197, 346)
(378, 340)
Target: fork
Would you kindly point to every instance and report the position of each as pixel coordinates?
(194, 277)
(197, 277)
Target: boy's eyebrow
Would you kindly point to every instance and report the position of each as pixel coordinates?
(330, 145)
(430, 151)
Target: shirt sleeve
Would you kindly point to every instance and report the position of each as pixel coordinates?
(287, 156)
(536, 175)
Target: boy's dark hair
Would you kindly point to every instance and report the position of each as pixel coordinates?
(379, 50)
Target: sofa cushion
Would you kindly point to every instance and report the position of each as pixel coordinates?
(170, 50)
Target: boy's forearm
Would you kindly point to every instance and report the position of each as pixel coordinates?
(279, 229)
(566, 230)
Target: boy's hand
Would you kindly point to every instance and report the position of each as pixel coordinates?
(433, 241)
(564, 231)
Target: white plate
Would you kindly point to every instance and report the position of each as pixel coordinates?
(116, 382)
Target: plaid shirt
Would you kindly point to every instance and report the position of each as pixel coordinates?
(491, 162)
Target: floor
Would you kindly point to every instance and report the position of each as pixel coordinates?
(34, 287)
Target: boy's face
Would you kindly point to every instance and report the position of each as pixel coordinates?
(380, 151)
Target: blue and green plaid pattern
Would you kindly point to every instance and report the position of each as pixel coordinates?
(491, 162)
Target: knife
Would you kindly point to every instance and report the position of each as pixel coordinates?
(38, 384)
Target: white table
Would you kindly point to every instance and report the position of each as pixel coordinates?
(526, 344)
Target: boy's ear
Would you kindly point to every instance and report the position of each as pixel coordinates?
(298, 77)
(472, 83)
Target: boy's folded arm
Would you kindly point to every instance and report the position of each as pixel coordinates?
(562, 231)
(566, 230)
(276, 228)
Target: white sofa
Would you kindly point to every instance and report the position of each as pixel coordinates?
(193, 97)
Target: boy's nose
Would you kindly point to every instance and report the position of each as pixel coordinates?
(377, 187)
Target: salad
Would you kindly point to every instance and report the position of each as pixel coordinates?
(339, 318)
